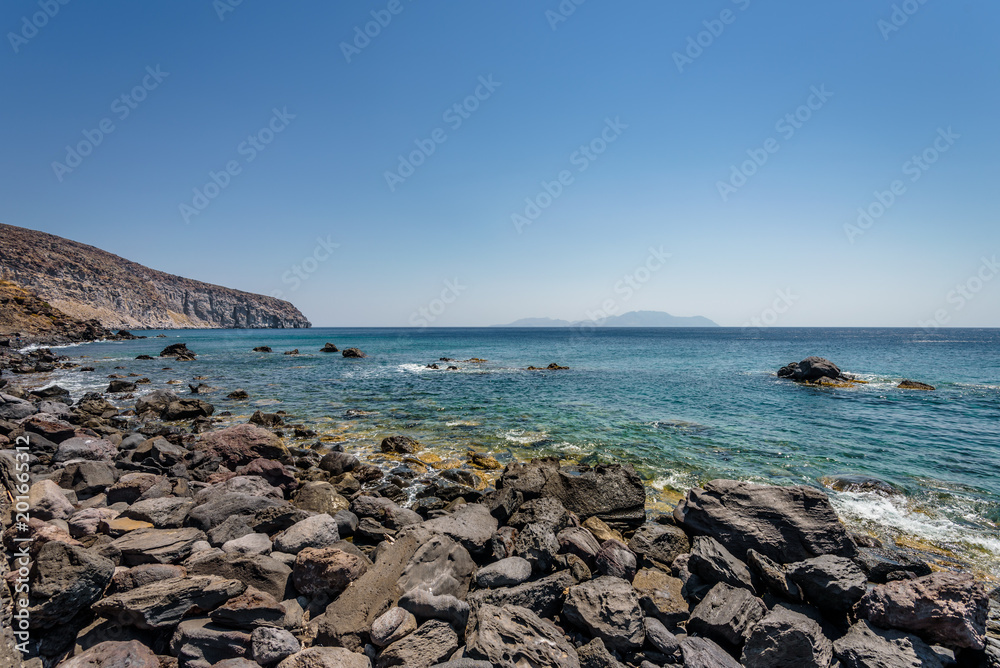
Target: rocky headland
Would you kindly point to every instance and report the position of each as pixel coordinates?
(91, 284)
(154, 532)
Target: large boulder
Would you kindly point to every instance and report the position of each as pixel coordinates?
(830, 583)
(727, 615)
(865, 646)
(164, 603)
(241, 444)
(660, 543)
(703, 653)
(614, 492)
(440, 566)
(811, 369)
(85, 447)
(349, 617)
(470, 524)
(198, 643)
(608, 608)
(512, 637)
(942, 608)
(65, 580)
(327, 570)
(785, 524)
(432, 643)
(316, 531)
(48, 501)
(785, 638)
(660, 596)
(714, 563)
(220, 508)
(261, 572)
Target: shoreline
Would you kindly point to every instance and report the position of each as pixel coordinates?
(135, 505)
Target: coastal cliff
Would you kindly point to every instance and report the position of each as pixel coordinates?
(91, 284)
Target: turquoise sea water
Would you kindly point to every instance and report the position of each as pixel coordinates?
(683, 405)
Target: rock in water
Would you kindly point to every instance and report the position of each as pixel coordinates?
(511, 636)
(329, 348)
(353, 352)
(945, 608)
(784, 523)
(908, 384)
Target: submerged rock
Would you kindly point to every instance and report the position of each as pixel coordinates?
(908, 384)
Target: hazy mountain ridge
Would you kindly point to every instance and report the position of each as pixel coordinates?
(88, 283)
(630, 319)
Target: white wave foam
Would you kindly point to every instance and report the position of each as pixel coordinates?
(896, 513)
(523, 437)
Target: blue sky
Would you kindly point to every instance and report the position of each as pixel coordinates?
(587, 146)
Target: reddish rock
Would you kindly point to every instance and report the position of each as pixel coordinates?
(326, 570)
(942, 608)
(241, 444)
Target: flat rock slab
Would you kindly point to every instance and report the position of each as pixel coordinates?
(326, 657)
(543, 596)
(162, 546)
(164, 603)
(511, 637)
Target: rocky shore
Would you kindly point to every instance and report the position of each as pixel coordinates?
(151, 536)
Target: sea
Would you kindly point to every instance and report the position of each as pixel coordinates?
(917, 469)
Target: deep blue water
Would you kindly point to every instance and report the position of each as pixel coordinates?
(683, 405)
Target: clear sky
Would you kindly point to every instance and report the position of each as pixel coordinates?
(514, 159)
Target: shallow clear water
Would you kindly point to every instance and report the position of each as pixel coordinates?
(683, 405)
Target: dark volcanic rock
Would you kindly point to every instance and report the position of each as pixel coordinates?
(615, 559)
(945, 608)
(884, 564)
(660, 596)
(544, 596)
(579, 541)
(65, 580)
(785, 524)
(399, 444)
(241, 444)
(787, 638)
(830, 583)
(538, 545)
(504, 573)
(164, 603)
(161, 546)
(441, 566)
(353, 352)
(727, 615)
(714, 563)
(661, 543)
(608, 608)
(866, 646)
(329, 348)
(326, 570)
(425, 605)
(908, 384)
(703, 653)
(610, 492)
(513, 637)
